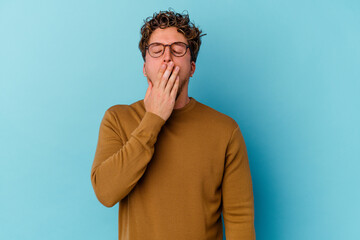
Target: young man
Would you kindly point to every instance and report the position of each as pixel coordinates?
(172, 163)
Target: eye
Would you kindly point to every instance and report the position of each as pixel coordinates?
(179, 48)
(156, 48)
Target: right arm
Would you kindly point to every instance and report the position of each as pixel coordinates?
(119, 165)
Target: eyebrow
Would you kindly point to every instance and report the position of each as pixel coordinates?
(169, 43)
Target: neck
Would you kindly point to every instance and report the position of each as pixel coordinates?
(182, 98)
(181, 102)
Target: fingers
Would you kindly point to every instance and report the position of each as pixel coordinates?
(160, 73)
(166, 75)
(172, 79)
(167, 83)
(175, 88)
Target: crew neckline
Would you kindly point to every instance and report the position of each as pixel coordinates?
(187, 107)
(190, 105)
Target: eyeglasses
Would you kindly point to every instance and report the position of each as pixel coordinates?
(177, 49)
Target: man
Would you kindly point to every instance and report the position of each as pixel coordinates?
(172, 163)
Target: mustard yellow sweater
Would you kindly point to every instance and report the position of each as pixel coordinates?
(172, 179)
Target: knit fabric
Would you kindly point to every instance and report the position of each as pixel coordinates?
(172, 179)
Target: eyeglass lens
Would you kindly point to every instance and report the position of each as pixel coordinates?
(156, 50)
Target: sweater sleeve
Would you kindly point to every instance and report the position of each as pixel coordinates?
(237, 192)
(118, 165)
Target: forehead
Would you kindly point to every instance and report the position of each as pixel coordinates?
(167, 35)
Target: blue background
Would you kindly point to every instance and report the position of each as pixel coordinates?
(286, 71)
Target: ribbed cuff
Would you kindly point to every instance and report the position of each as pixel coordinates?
(149, 128)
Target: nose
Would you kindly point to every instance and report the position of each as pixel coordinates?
(167, 54)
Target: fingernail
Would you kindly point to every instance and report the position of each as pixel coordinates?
(163, 66)
(177, 68)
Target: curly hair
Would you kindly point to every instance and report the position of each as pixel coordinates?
(165, 19)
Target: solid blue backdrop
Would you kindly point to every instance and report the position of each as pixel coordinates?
(286, 71)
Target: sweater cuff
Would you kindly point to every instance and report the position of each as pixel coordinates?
(149, 128)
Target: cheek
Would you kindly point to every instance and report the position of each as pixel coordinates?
(151, 69)
(185, 71)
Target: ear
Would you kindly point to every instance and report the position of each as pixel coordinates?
(193, 67)
(144, 71)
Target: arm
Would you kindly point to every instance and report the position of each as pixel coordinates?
(237, 193)
(119, 165)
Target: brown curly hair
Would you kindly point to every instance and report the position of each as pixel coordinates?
(169, 18)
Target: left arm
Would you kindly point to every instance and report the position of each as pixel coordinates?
(237, 192)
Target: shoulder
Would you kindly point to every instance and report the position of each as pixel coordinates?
(217, 118)
(123, 118)
(125, 110)
(214, 120)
